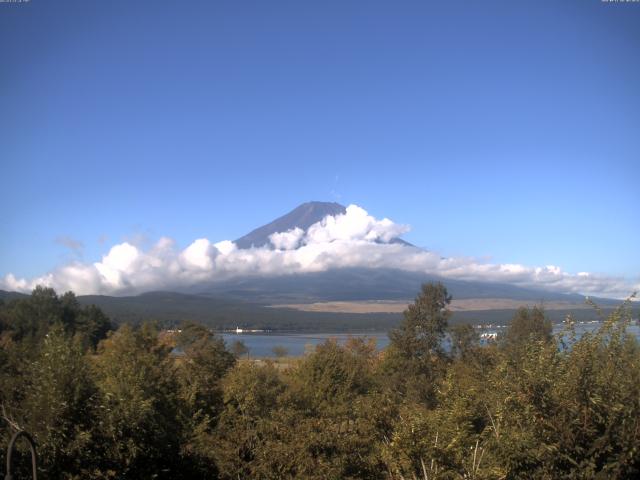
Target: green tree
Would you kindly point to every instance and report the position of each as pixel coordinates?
(92, 324)
(251, 395)
(464, 340)
(311, 421)
(138, 405)
(331, 378)
(29, 319)
(59, 406)
(415, 358)
(528, 325)
(200, 369)
(573, 412)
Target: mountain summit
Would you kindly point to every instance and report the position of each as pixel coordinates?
(302, 217)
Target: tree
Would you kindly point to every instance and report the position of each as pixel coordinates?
(415, 357)
(280, 351)
(138, 406)
(528, 325)
(30, 318)
(331, 378)
(200, 371)
(310, 421)
(59, 406)
(251, 395)
(464, 340)
(239, 348)
(92, 323)
(425, 323)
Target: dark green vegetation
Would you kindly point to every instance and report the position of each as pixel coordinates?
(118, 404)
(228, 312)
(170, 309)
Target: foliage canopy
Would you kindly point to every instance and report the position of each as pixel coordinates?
(106, 404)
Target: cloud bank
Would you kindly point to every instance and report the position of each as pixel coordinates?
(352, 239)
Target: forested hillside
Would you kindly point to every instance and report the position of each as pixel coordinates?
(118, 404)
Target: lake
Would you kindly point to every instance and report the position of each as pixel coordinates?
(261, 344)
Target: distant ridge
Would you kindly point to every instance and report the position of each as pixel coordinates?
(6, 296)
(302, 217)
(252, 310)
(366, 284)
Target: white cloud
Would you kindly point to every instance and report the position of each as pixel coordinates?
(225, 247)
(288, 240)
(352, 239)
(354, 225)
(199, 255)
(115, 266)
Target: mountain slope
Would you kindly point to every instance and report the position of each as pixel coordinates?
(7, 296)
(302, 217)
(358, 284)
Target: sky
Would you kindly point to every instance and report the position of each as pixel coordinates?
(503, 133)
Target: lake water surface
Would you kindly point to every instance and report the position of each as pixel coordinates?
(262, 344)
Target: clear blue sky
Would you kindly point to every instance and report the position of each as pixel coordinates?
(502, 129)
